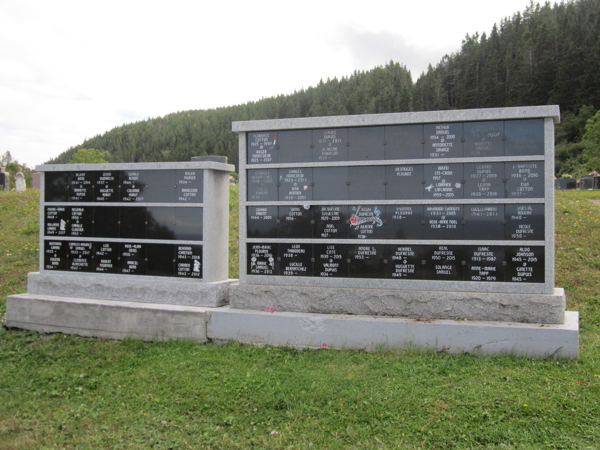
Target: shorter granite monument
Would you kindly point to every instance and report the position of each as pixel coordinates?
(152, 232)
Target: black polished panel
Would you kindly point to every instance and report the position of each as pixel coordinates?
(262, 147)
(483, 139)
(295, 260)
(367, 222)
(132, 222)
(188, 261)
(524, 264)
(262, 259)
(524, 137)
(106, 257)
(190, 186)
(81, 256)
(404, 142)
(295, 222)
(443, 140)
(133, 258)
(161, 186)
(366, 144)
(56, 220)
(81, 186)
(484, 222)
(56, 186)
(484, 263)
(295, 184)
(524, 179)
(366, 261)
(56, 255)
(366, 183)
(160, 260)
(106, 186)
(183, 224)
(443, 222)
(443, 181)
(331, 183)
(262, 221)
(330, 145)
(133, 185)
(262, 185)
(106, 221)
(404, 182)
(484, 180)
(404, 222)
(443, 263)
(294, 146)
(331, 222)
(331, 260)
(81, 221)
(404, 262)
(525, 222)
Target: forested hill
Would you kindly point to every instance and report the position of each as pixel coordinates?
(545, 55)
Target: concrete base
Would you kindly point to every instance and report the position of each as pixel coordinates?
(370, 333)
(503, 307)
(117, 320)
(163, 290)
(105, 319)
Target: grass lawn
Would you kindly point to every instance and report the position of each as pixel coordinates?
(59, 391)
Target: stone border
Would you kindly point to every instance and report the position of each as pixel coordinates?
(146, 289)
(426, 304)
(118, 320)
(451, 115)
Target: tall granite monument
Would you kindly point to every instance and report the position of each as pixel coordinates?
(431, 215)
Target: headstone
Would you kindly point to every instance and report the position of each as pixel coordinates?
(3, 181)
(563, 184)
(589, 182)
(20, 182)
(586, 182)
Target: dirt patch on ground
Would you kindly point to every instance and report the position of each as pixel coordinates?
(597, 202)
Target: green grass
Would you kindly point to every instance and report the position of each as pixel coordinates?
(19, 241)
(59, 391)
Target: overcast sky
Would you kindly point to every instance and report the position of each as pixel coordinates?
(70, 70)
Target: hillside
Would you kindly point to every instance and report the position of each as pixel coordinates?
(545, 55)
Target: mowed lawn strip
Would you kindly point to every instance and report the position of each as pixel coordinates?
(60, 391)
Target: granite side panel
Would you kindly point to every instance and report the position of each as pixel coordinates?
(105, 319)
(526, 308)
(130, 288)
(216, 226)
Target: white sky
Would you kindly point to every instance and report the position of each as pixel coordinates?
(70, 70)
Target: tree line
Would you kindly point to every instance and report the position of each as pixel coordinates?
(548, 54)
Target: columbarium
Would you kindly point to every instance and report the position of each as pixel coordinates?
(445, 215)
(116, 235)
